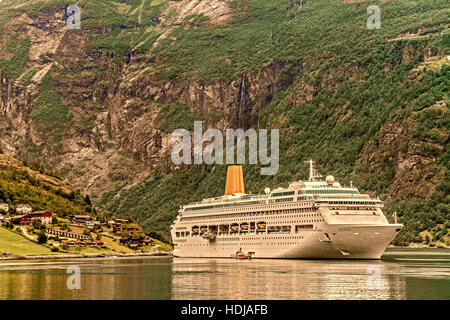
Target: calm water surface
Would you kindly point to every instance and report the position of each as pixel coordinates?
(404, 274)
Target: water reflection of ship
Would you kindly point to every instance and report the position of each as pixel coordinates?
(280, 279)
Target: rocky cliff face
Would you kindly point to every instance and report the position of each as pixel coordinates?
(114, 107)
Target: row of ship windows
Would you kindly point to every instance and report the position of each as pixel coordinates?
(244, 208)
(285, 229)
(268, 218)
(278, 194)
(250, 239)
(259, 213)
(275, 238)
(238, 244)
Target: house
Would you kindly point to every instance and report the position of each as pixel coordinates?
(96, 226)
(45, 216)
(122, 221)
(24, 220)
(88, 243)
(441, 103)
(4, 207)
(147, 242)
(123, 228)
(23, 209)
(124, 240)
(67, 242)
(100, 243)
(82, 219)
(77, 242)
(135, 241)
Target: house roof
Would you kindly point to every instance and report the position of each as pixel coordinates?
(40, 212)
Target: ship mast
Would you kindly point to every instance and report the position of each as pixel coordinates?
(313, 173)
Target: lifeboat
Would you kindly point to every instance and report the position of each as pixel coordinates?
(261, 225)
(234, 227)
(195, 229)
(244, 226)
(203, 229)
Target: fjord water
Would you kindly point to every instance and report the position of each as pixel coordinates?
(404, 274)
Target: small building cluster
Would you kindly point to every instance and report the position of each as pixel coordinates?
(86, 221)
(84, 243)
(135, 241)
(125, 228)
(25, 214)
(123, 225)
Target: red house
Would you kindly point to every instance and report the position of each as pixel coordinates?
(44, 216)
(24, 220)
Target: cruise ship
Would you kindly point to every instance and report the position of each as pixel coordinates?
(309, 219)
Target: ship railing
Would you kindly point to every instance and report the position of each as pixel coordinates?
(217, 200)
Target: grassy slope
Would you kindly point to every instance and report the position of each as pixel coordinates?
(16, 244)
(19, 184)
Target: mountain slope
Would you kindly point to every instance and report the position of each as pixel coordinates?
(19, 184)
(99, 103)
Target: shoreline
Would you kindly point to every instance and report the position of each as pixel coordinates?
(85, 255)
(418, 246)
(130, 255)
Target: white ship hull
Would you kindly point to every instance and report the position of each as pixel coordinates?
(355, 242)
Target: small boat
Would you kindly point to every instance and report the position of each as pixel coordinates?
(208, 235)
(241, 255)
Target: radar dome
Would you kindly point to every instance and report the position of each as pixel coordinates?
(329, 180)
(267, 190)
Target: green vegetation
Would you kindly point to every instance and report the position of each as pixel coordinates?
(15, 66)
(17, 185)
(16, 244)
(50, 115)
(175, 117)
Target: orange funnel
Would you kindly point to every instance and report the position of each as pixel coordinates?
(235, 180)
